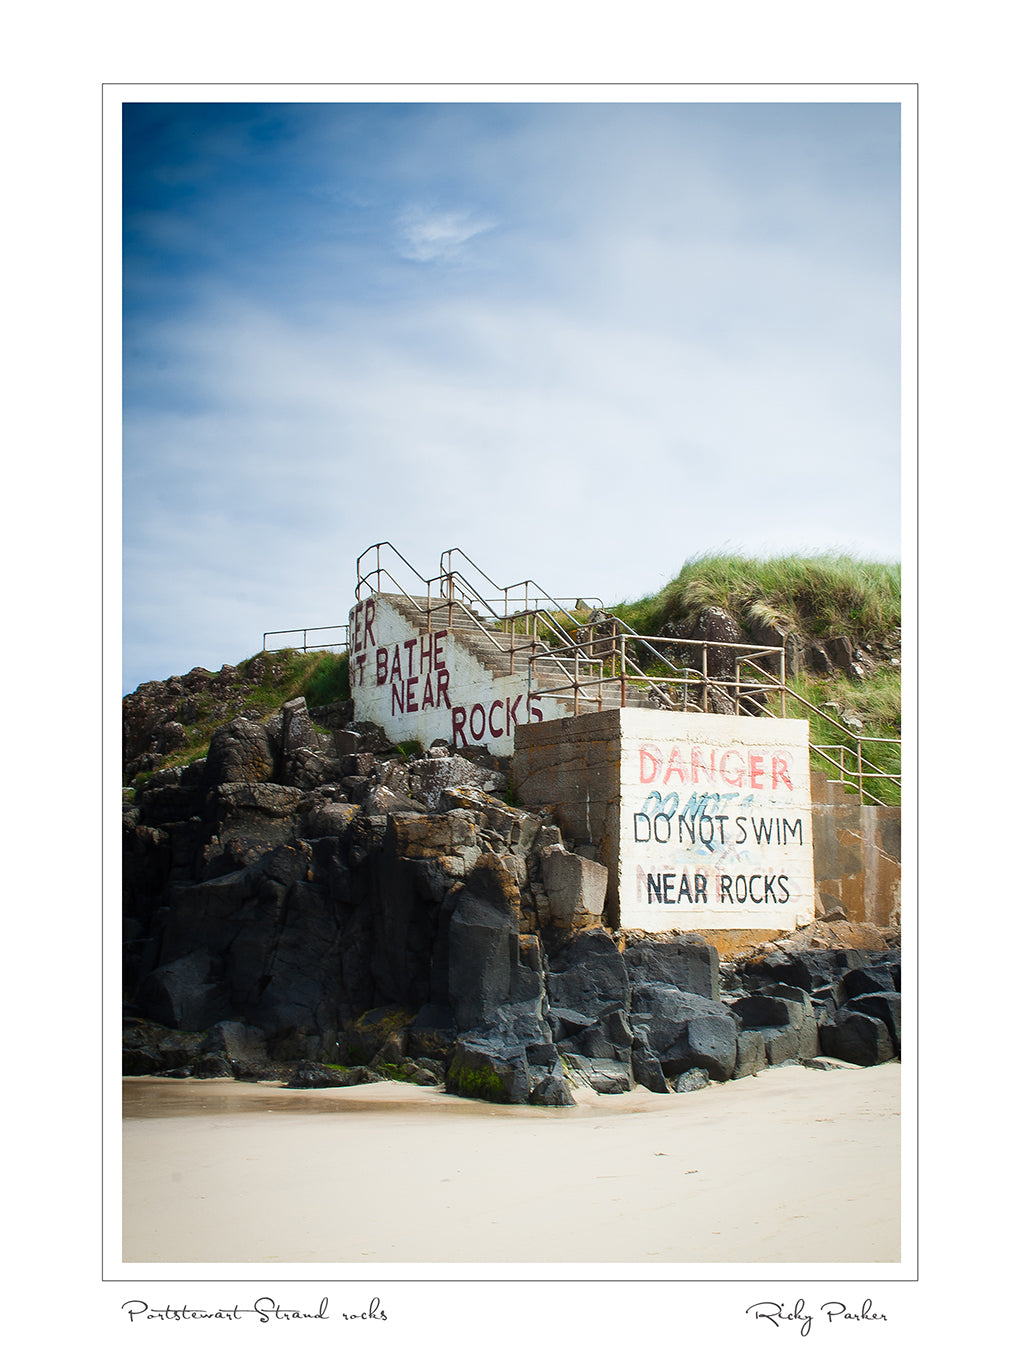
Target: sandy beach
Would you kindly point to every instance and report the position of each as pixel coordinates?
(792, 1165)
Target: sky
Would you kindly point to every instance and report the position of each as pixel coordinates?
(585, 343)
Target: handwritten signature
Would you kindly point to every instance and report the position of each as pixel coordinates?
(833, 1311)
(264, 1310)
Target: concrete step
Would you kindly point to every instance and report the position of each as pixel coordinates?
(492, 650)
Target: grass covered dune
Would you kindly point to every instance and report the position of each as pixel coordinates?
(822, 595)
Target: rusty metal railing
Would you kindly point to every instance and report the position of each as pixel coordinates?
(595, 663)
(508, 627)
(305, 632)
(694, 686)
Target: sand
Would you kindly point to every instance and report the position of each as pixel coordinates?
(792, 1165)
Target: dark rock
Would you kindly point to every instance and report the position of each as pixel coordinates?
(552, 1090)
(334, 715)
(383, 801)
(868, 980)
(430, 1066)
(817, 660)
(413, 1074)
(605, 1076)
(885, 1005)
(751, 1055)
(211, 1067)
(589, 976)
(432, 1034)
(716, 625)
(137, 1061)
(187, 993)
(391, 1052)
(430, 778)
(150, 1049)
(566, 1023)
(362, 1038)
(515, 828)
(313, 1076)
(255, 816)
(688, 1081)
(685, 1030)
(239, 752)
(807, 970)
(168, 736)
(236, 1042)
(483, 944)
(160, 803)
(690, 964)
(646, 1066)
(484, 1070)
(359, 1075)
(855, 1037)
(609, 1038)
(710, 1045)
(372, 739)
(575, 890)
(330, 820)
(777, 636)
(784, 1016)
(840, 652)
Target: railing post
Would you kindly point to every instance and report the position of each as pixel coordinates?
(704, 676)
(782, 675)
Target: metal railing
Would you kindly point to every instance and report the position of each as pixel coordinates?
(521, 600)
(703, 684)
(510, 621)
(305, 632)
(594, 663)
(686, 686)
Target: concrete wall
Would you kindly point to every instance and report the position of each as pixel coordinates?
(703, 821)
(856, 854)
(421, 685)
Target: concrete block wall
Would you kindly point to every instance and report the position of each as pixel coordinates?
(703, 821)
(856, 854)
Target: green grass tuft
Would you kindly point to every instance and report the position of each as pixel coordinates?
(818, 598)
(822, 596)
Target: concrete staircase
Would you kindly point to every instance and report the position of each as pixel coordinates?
(501, 652)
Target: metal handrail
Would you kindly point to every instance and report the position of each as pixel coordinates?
(558, 603)
(743, 690)
(305, 630)
(364, 579)
(571, 654)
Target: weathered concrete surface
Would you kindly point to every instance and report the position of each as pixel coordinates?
(572, 765)
(427, 678)
(856, 854)
(703, 821)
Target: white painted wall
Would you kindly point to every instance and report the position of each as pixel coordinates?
(715, 822)
(428, 687)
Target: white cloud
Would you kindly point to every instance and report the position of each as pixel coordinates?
(633, 381)
(430, 235)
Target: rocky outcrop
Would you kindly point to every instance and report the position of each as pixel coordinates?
(325, 913)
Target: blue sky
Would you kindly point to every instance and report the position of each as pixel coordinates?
(584, 342)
